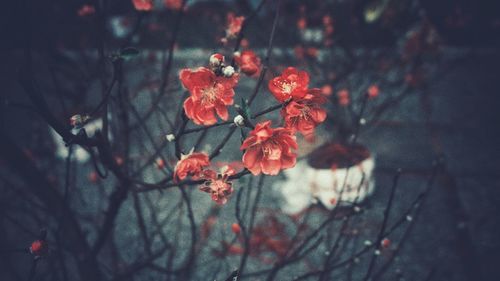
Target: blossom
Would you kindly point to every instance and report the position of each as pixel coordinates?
(269, 150)
(248, 62)
(210, 94)
(373, 91)
(233, 25)
(305, 114)
(217, 184)
(173, 4)
(191, 165)
(143, 5)
(343, 97)
(292, 83)
(86, 10)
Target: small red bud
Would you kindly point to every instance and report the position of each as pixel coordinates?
(160, 164)
(327, 90)
(93, 177)
(373, 91)
(235, 228)
(39, 248)
(119, 160)
(385, 243)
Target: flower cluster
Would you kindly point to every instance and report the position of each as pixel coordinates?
(266, 150)
(269, 150)
(197, 165)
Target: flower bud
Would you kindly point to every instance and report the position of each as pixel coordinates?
(160, 164)
(39, 248)
(228, 71)
(216, 60)
(235, 228)
(239, 121)
(170, 137)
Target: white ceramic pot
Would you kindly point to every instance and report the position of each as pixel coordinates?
(333, 174)
(79, 154)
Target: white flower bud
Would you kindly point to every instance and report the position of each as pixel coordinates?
(170, 137)
(216, 60)
(228, 71)
(239, 121)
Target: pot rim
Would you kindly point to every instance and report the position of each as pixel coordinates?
(336, 155)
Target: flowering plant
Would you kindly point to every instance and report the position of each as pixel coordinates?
(179, 148)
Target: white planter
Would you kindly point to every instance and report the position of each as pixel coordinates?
(79, 154)
(349, 179)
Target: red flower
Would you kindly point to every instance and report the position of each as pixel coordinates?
(173, 4)
(143, 5)
(86, 10)
(373, 91)
(248, 62)
(343, 97)
(269, 150)
(39, 248)
(305, 114)
(217, 185)
(233, 25)
(210, 94)
(291, 84)
(190, 165)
